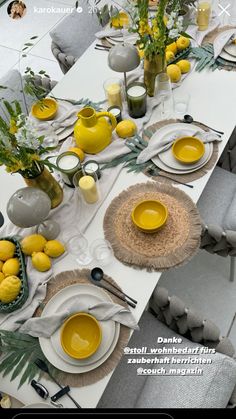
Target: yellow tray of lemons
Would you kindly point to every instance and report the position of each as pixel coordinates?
(14, 287)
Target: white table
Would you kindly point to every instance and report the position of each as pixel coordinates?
(213, 99)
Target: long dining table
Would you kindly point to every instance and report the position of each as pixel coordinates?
(212, 101)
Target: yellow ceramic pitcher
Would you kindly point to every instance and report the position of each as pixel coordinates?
(92, 131)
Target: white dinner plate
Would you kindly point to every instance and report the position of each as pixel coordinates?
(225, 55)
(108, 333)
(189, 129)
(230, 48)
(40, 405)
(116, 40)
(51, 307)
(169, 159)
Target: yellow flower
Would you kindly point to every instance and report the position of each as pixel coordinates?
(13, 128)
(165, 19)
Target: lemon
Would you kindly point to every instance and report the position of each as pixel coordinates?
(33, 243)
(11, 267)
(169, 56)
(184, 66)
(7, 250)
(41, 262)
(174, 73)
(126, 128)
(9, 289)
(1, 265)
(172, 47)
(2, 276)
(79, 152)
(182, 43)
(120, 20)
(54, 248)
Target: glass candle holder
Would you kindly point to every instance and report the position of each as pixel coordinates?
(88, 189)
(68, 163)
(91, 168)
(137, 99)
(113, 92)
(203, 14)
(116, 111)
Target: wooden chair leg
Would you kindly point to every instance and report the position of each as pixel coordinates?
(232, 268)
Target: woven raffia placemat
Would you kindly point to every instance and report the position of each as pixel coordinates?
(171, 246)
(59, 282)
(210, 38)
(165, 177)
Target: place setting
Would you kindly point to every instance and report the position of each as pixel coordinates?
(184, 151)
(153, 226)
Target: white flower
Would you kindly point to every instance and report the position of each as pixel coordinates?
(27, 135)
(173, 33)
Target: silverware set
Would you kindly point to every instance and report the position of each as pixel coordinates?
(102, 47)
(97, 278)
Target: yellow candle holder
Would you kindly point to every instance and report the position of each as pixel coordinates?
(113, 92)
(203, 14)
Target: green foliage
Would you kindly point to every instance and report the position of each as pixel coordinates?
(19, 353)
(136, 144)
(205, 57)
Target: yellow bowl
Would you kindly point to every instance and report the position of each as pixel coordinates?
(81, 335)
(188, 149)
(149, 216)
(45, 109)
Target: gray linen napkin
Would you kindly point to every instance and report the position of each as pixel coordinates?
(222, 40)
(46, 326)
(156, 146)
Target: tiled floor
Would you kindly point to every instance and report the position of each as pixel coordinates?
(14, 33)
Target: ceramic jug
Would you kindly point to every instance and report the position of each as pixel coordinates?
(92, 131)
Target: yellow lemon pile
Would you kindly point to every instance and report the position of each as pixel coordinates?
(41, 251)
(175, 71)
(10, 284)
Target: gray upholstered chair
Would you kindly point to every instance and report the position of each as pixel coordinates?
(217, 206)
(73, 35)
(15, 83)
(169, 318)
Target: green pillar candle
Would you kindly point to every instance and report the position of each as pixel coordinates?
(68, 163)
(137, 99)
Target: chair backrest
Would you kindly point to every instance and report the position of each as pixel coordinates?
(14, 85)
(187, 322)
(227, 160)
(217, 241)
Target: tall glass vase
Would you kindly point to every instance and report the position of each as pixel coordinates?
(152, 66)
(40, 177)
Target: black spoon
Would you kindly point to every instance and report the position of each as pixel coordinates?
(97, 275)
(188, 119)
(1, 219)
(43, 367)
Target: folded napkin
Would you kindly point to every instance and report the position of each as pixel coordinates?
(46, 326)
(111, 32)
(156, 146)
(222, 40)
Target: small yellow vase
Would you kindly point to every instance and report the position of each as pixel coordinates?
(92, 131)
